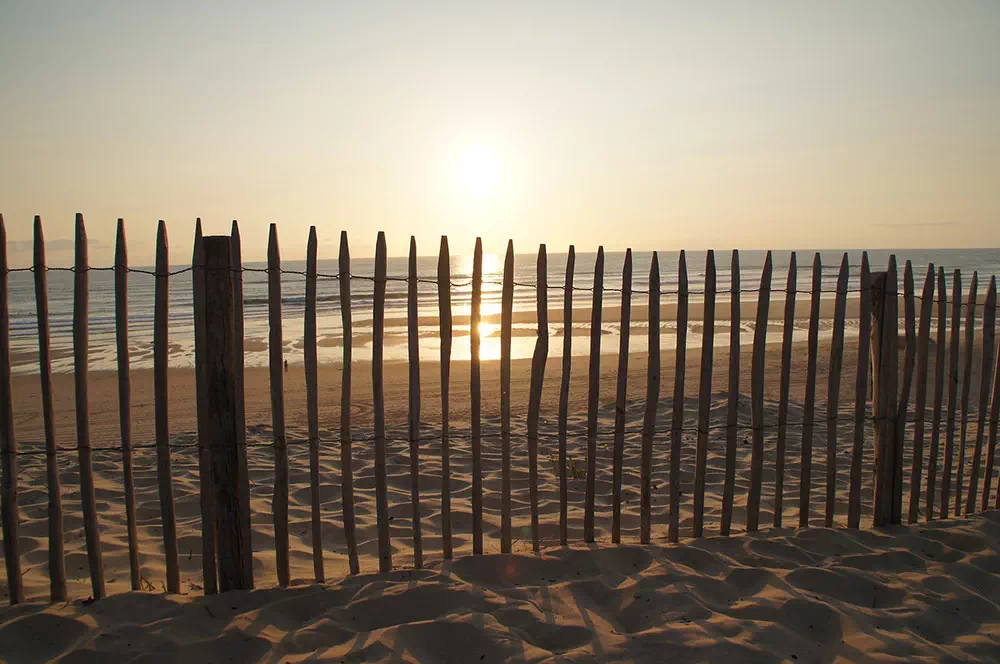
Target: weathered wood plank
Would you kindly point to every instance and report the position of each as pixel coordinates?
(538, 360)
(310, 353)
(444, 317)
(57, 563)
(618, 451)
(677, 414)
(220, 404)
(8, 444)
(275, 346)
(378, 401)
(970, 345)
(506, 322)
(953, 353)
(594, 395)
(757, 395)
(567, 366)
(475, 394)
(909, 357)
(125, 401)
(239, 398)
(81, 324)
(809, 410)
(939, 371)
(733, 400)
(704, 395)
(861, 393)
(884, 341)
(164, 471)
(346, 456)
(923, 339)
(988, 350)
(783, 389)
(652, 401)
(413, 358)
(833, 389)
(206, 493)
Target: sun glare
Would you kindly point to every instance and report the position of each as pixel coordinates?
(478, 172)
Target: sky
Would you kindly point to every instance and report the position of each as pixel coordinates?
(652, 125)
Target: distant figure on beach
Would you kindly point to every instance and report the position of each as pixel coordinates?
(286, 366)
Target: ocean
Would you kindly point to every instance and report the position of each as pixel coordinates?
(24, 331)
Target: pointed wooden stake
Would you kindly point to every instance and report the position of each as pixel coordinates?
(537, 379)
(677, 405)
(652, 402)
(757, 396)
(567, 366)
(594, 395)
(786, 373)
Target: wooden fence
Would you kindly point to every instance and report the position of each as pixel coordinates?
(217, 279)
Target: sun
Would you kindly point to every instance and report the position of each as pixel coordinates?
(478, 171)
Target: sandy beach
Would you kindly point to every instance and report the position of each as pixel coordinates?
(771, 595)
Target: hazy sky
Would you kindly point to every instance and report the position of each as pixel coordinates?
(654, 125)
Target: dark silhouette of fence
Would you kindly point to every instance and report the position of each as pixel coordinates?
(222, 443)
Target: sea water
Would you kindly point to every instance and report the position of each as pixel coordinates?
(24, 330)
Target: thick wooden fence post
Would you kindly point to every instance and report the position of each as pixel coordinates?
(884, 376)
(206, 493)
(222, 442)
(8, 445)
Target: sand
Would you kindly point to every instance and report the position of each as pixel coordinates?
(812, 595)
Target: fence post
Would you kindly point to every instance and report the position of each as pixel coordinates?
(8, 445)
(884, 376)
(234, 568)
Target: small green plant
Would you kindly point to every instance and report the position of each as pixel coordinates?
(575, 471)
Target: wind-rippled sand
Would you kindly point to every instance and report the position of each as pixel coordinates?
(923, 591)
